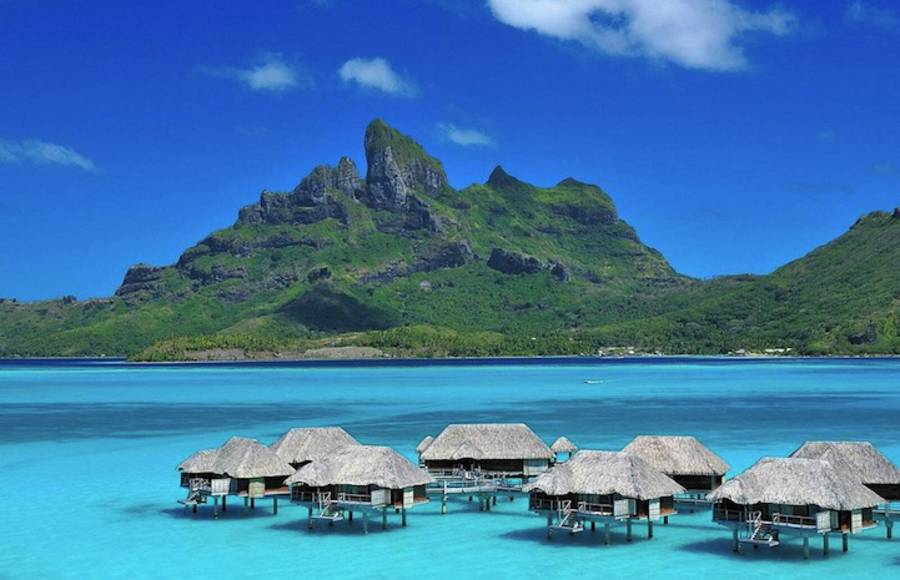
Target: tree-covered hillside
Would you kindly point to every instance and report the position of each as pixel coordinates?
(400, 261)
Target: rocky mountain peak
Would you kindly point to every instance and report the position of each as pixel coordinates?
(398, 167)
(502, 181)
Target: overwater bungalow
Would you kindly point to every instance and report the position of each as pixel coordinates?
(602, 486)
(778, 496)
(301, 445)
(359, 478)
(245, 467)
(563, 446)
(863, 460)
(684, 459)
(498, 450)
(422, 446)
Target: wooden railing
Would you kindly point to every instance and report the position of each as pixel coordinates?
(722, 514)
(595, 508)
(790, 520)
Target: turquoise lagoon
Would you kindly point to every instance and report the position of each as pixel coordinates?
(88, 453)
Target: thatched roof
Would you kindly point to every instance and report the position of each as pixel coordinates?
(423, 444)
(563, 445)
(245, 458)
(362, 465)
(604, 473)
(853, 458)
(487, 441)
(301, 445)
(795, 481)
(200, 462)
(677, 455)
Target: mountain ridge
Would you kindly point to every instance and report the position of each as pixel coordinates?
(404, 262)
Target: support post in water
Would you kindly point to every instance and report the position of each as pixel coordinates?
(628, 530)
(275, 506)
(806, 547)
(224, 503)
(403, 517)
(649, 528)
(825, 544)
(665, 520)
(606, 532)
(309, 518)
(735, 544)
(350, 517)
(383, 519)
(365, 523)
(845, 541)
(216, 507)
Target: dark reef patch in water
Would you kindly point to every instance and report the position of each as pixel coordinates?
(28, 422)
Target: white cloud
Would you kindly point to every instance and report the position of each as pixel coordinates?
(465, 137)
(42, 153)
(695, 34)
(376, 74)
(864, 13)
(270, 73)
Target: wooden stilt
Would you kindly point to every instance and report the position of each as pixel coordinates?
(593, 526)
(494, 500)
(246, 503)
(845, 541)
(628, 530)
(443, 504)
(606, 532)
(549, 519)
(216, 507)
(888, 526)
(275, 506)
(224, 503)
(194, 508)
(309, 524)
(365, 522)
(480, 503)
(736, 545)
(825, 544)
(649, 528)
(470, 498)
(383, 519)
(253, 503)
(806, 547)
(403, 517)
(665, 520)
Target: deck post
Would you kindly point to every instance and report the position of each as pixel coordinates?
(606, 532)
(736, 545)
(628, 529)
(253, 503)
(806, 546)
(888, 524)
(665, 520)
(649, 528)
(549, 518)
(350, 517)
(443, 504)
(825, 544)
(593, 526)
(216, 507)
(494, 499)
(383, 519)
(224, 503)
(365, 523)
(309, 525)
(845, 541)
(246, 501)
(403, 517)
(470, 498)
(480, 503)
(275, 506)
(194, 508)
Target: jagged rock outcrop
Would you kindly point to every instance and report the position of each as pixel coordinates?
(324, 178)
(870, 336)
(140, 278)
(397, 168)
(501, 181)
(510, 262)
(316, 274)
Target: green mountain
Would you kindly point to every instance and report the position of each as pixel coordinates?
(401, 261)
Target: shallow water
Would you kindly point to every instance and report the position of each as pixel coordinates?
(88, 455)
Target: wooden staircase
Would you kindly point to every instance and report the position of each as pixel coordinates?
(329, 509)
(759, 532)
(568, 519)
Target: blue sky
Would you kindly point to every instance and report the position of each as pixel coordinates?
(735, 136)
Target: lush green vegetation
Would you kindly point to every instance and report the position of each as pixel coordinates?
(369, 280)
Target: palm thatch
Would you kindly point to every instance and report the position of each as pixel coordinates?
(796, 481)
(200, 462)
(853, 459)
(487, 441)
(563, 445)
(423, 444)
(244, 458)
(302, 445)
(605, 473)
(362, 465)
(677, 455)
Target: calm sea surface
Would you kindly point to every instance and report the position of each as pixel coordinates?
(88, 454)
